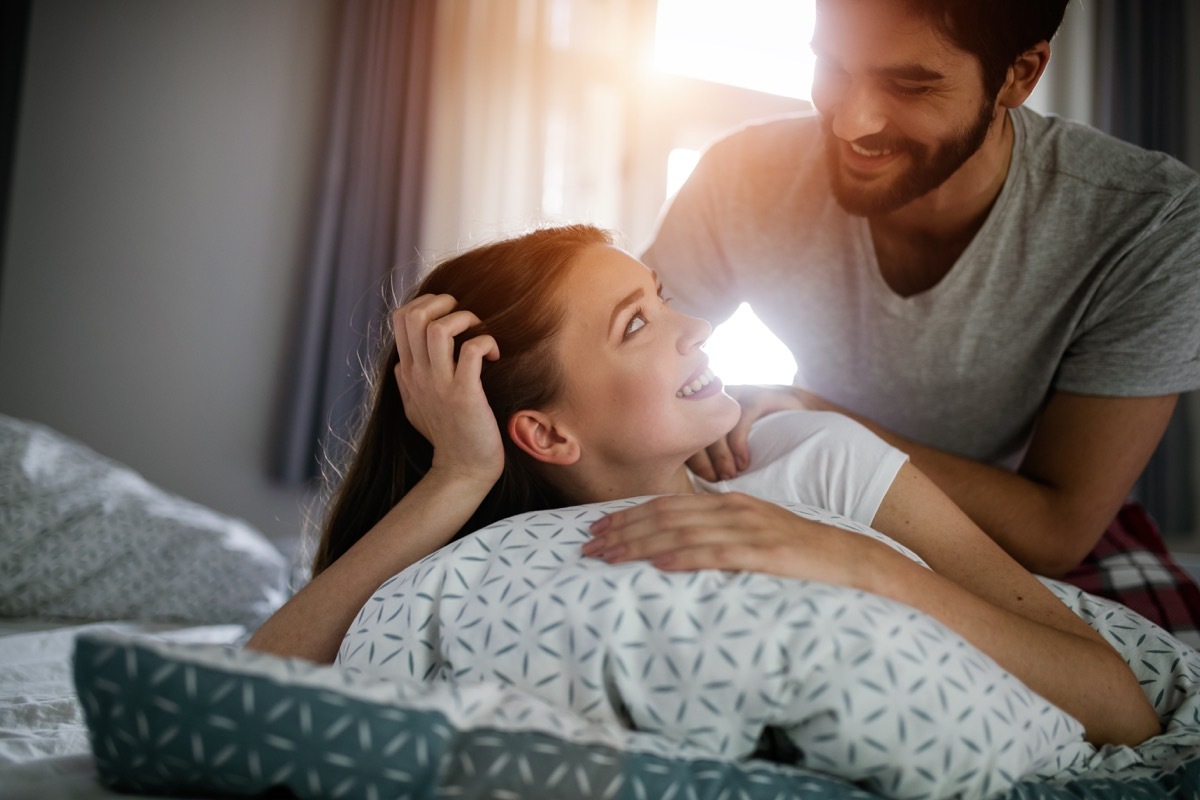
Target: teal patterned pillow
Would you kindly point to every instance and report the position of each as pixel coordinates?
(861, 687)
(203, 719)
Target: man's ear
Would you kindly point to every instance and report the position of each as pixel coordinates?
(1024, 75)
(535, 433)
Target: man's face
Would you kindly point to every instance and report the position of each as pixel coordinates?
(902, 109)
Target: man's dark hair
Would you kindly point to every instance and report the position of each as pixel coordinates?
(997, 32)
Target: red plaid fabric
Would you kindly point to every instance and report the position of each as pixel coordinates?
(1131, 565)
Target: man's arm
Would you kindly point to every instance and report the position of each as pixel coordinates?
(1084, 457)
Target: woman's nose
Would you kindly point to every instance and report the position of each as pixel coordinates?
(693, 332)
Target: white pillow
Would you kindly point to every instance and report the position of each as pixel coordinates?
(867, 689)
(84, 537)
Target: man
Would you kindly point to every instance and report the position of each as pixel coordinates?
(1013, 300)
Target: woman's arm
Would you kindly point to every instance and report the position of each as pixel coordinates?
(916, 513)
(312, 623)
(1012, 618)
(444, 400)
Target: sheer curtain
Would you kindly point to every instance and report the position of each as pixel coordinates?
(452, 122)
(368, 219)
(532, 101)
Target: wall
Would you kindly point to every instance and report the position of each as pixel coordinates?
(1067, 89)
(164, 174)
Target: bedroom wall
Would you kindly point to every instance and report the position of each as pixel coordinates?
(165, 167)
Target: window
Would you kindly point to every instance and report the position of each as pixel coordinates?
(755, 44)
(762, 48)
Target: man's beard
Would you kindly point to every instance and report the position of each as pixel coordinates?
(928, 170)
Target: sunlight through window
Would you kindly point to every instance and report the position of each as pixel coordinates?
(743, 350)
(680, 163)
(755, 44)
(762, 45)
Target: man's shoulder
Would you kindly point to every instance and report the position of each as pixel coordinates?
(774, 138)
(1086, 156)
(767, 168)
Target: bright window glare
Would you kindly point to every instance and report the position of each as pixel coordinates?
(680, 163)
(755, 44)
(743, 350)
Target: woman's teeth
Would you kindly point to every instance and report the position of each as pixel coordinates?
(862, 151)
(704, 379)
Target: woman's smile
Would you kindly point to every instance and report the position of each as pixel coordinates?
(700, 385)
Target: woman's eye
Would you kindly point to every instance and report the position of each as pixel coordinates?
(636, 324)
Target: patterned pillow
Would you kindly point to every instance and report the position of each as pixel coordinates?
(1167, 667)
(859, 686)
(203, 719)
(84, 537)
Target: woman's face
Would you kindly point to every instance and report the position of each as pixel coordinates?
(637, 389)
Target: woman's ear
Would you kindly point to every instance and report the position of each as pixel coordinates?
(535, 433)
(1024, 75)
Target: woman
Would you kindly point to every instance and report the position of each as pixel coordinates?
(547, 370)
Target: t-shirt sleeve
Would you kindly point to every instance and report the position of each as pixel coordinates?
(688, 249)
(1141, 334)
(820, 458)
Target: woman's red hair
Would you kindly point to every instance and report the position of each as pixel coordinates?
(514, 287)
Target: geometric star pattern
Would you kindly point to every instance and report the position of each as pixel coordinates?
(200, 719)
(208, 720)
(166, 718)
(860, 687)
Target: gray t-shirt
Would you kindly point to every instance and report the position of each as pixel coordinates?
(1085, 277)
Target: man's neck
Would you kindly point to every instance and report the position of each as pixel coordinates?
(918, 244)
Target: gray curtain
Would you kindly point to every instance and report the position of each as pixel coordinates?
(367, 222)
(1144, 87)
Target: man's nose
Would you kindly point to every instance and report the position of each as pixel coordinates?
(858, 112)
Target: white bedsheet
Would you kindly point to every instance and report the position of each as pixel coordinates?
(44, 750)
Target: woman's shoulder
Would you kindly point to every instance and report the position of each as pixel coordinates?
(785, 429)
(825, 441)
(820, 458)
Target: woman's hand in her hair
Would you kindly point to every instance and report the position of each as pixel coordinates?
(730, 532)
(443, 397)
(729, 455)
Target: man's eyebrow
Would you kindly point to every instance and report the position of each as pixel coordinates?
(910, 72)
(625, 303)
(917, 73)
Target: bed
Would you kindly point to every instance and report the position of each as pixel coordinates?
(505, 666)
